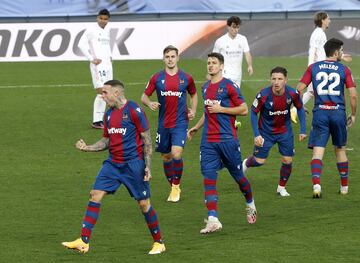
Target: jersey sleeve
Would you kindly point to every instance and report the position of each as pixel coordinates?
(151, 86)
(235, 95)
(258, 103)
(84, 44)
(191, 88)
(139, 118)
(217, 46)
(306, 78)
(349, 79)
(246, 45)
(297, 100)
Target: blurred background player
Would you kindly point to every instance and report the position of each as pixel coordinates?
(316, 52)
(127, 136)
(172, 85)
(274, 125)
(95, 45)
(219, 143)
(233, 46)
(329, 77)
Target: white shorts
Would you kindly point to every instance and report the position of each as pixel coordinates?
(236, 79)
(101, 73)
(310, 88)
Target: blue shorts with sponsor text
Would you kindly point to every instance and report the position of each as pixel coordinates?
(285, 143)
(216, 155)
(326, 123)
(112, 175)
(168, 137)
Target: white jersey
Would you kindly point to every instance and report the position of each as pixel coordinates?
(95, 43)
(232, 50)
(316, 46)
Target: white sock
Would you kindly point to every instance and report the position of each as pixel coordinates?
(252, 204)
(213, 219)
(307, 96)
(99, 108)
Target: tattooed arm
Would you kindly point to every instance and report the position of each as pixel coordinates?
(146, 137)
(100, 145)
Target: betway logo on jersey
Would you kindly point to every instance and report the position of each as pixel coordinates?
(121, 131)
(279, 112)
(209, 102)
(171, 93)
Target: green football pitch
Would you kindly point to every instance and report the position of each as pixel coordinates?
(45, 182)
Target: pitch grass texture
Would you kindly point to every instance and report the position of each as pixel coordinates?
(45, 181)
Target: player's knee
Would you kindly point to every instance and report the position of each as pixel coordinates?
(96, 195)
(144, 205)
(260, 161)
(286, 160)
(176, 155)
(167, 157)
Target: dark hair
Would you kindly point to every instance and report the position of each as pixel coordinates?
(279, 70)
(104, 12)
(319, 17)
(170, 48)
(115, 83)
(233, 19)
(219, 56)
(332, 45)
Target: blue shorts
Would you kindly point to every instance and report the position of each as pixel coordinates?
(326, 122)
(214, 156)
(131, 174)
(168, 137)
(285, 143)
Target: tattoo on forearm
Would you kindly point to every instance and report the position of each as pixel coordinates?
(100, 145)
(146, 137)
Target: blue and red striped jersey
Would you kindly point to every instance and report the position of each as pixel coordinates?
(123, 127)
(219, 127)
(328, 79)
(172, 94)
(275, 110)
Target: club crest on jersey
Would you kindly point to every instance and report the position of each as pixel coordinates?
(182, 81)
(162, 81)
(288, 101)
(271, 103)
(220, 90)
(138, 109)
(125, 116)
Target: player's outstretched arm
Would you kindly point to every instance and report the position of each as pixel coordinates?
(346, 57)
(241, 110)
(301, 86)
(249, 62)
(100, 145)
(191, 132)
(146, 138)
(192, 110)
(353, 106)
(153, 105)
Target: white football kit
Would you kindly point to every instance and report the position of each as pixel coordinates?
(316, 48)
(95, 44)
(233, 51)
